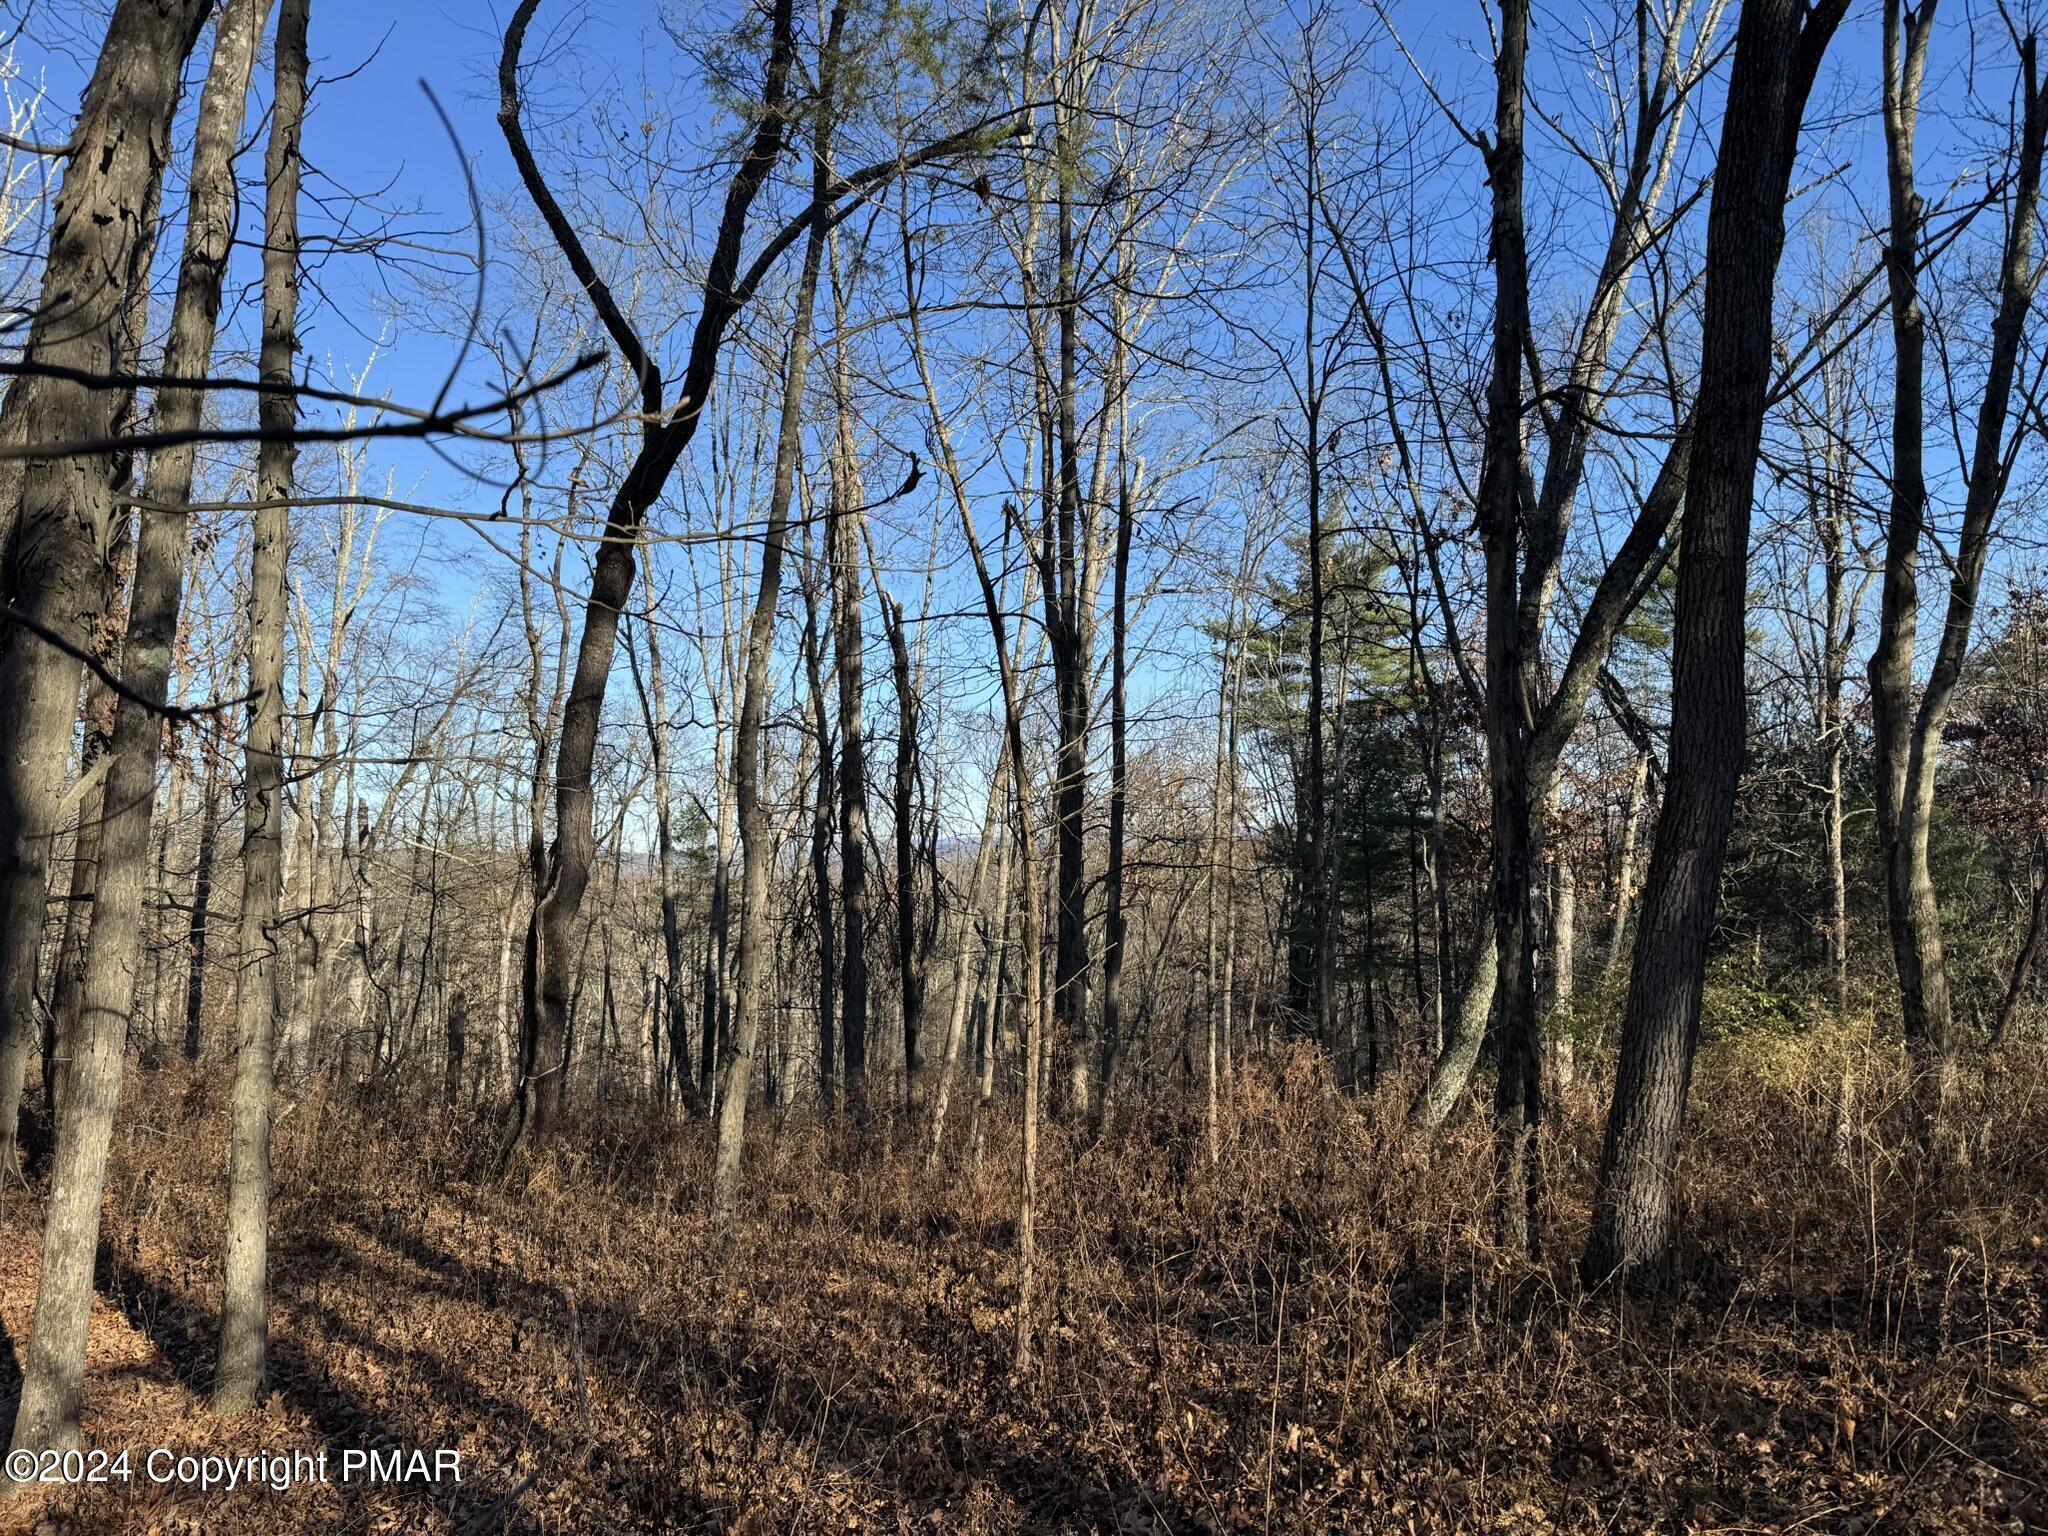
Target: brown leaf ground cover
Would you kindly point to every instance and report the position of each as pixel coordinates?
(1313, 1334)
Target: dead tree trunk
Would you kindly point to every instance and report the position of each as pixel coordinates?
(909, 944)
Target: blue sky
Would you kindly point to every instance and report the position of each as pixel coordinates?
(374, 133)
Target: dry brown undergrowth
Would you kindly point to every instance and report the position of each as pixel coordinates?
(1313, 1335)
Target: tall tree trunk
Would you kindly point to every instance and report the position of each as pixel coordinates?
(244, 1309)
(1232, 795)
(100, 243)
(1218, 799)
(1069, 628)
(202, 902)
(821, 847)
(54, 1379)
(856, 903)
(757, 836)
(1778, 50)
(1909, 895)
(1518, 1097)
(909, 947)
(1310, 971)
(665, 433)
(1115, 927)
(1908, 739)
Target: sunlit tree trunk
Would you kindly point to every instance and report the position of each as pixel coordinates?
(244, 1313)
(54, 1379)
(757, 836)
(50, 574)
(1908, 734)
(1778, 50)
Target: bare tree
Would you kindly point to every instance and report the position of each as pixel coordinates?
(55, 1377)
(1778, 49)
(1908, 737)
(100, 241)
(756, 835)
(245, 1311)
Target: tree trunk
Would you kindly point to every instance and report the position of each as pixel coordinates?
(1069, 629)
(909, 949)
(1310, 971)
(821, 850)
(244, 1312)
(458, 1043)
(1908, 738)
(50, 576)
(1114, 926)
(756, 835)
(506, 1043)
(1625, 872)
(1564, 934)
(2030, 949)
(1778, 49)
(1518, 1096)
(202, 900)
(964, 960)
(665, 433)
(843, 532)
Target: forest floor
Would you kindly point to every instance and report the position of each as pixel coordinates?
(1314, 1333)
